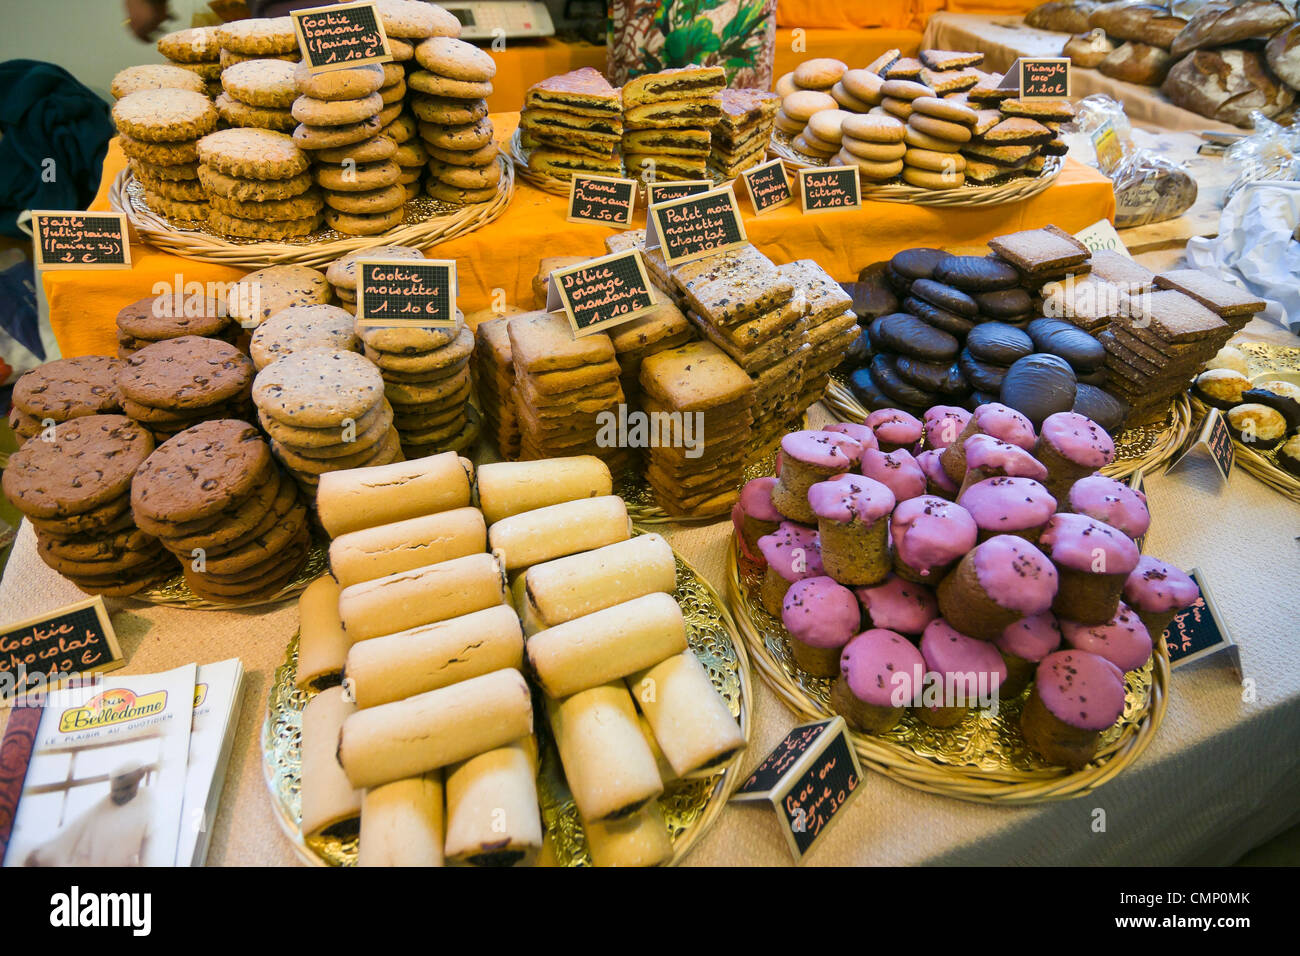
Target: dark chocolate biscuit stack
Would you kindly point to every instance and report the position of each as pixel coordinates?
(76, 492)
(175, 383)
(155, 318)
(63, 390)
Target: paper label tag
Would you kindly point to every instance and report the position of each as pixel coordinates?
(1198, 631)
(1214, 439)
(341, 36)
(602, 199)
(696, 226)
(1039, 78)
(1102, 235)
(825, 190)
(667, 192)
(768, 186)
(81, 240)
(409, 292)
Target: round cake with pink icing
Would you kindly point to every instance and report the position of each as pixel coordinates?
(937, 481)
(897, 604)
(895, 428)
(1023, 645)
(996, 584)
(820, 616)
(1094, 560)
(1123, 640)
(853, 527)
(754, 515)
(1076, 696)
(989, 457)
(862, 434)
(881, 673)
(808, 457)
(792, 552)
(1110, 502)
(1072, 446)
(897, 470)
(1008, 505)
(995, 420)
(928, 535)
(942, 425)
(971, 672)
(1158, 591)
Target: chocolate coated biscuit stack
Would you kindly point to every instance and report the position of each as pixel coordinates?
(832, 326)
(573, 123)
(668, 118)
(740, 139)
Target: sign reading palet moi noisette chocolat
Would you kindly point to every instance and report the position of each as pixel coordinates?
(602, 293)
(768, 186)
(831, 188)
(341, 36)
(695, 226)
(667, 192)
(406, 292)
(603, 199)
(81, 240)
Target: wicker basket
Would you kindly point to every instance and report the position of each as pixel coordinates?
(428, 222)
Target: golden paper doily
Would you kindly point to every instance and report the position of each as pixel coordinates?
(174, 592)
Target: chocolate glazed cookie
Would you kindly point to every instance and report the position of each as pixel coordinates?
(891, 383)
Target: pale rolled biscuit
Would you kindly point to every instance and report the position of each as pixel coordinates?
(420, 659)
(322, 645)
(690, 720)
(559, 530)
(402, 822)
(567, 588)
(492, 811)
(666, 772)
(508, 488)
(330, 802)
(639, 840)
(364, 497)
(408, 599)
(607, 645)
(403, 545)
(413, 736)
(609, 768)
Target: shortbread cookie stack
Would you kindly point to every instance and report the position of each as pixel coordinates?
(740, 139)
(573, 123)
(217, 500)
(154, 76)
(494, 382)
(664, 327)
(159, 132)
(937, 129)
(299, 327)
(874, 143)
(157, 318)
(325, 411)
(76, 492)
(176, 383)
(698, 470)
(258, 184)
(797, 109)
(832, 326)
(258, 93)
(668, 119)
(62, 390)
(342, 272)
(197, 51)
(259, 295)
(464, 164)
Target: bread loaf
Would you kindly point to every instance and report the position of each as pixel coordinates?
(1063, 16)
(1145, 22)
(1219, 24)
(1283, 54)
(1226, 85)
(1136, 62)
(1088, 49)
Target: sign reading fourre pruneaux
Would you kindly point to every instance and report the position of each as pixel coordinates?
(602, 293)
(832, 187)
(341, 36)
(768, 186)
(667, 192)
(603, 199)
(695, 226)
(77, 639)
(406, 292)
(80, 240)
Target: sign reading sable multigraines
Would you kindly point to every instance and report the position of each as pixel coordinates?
(603, 199)
(406, 292)
(341, 36)
(80, 240)
(695, 226)
(602, 293)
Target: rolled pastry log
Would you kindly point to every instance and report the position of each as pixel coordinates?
(640, 840)
(508, 488)
(413, 736)
(401, 823)
(666, 772)
(421, 596)
(322, 645)
(566, 588)
(610, 769)
(330, 802)
(558, 530)
(389, 548)
(492, 814)
(384, 669)
(607, 645)
(690, 720)
(364, 497)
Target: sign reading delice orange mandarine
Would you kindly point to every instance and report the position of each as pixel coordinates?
(598, 295)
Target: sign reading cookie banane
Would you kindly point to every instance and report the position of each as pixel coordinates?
(695, 226)
(81, 240)
(602, 293)
(341, 36)
(406, 292)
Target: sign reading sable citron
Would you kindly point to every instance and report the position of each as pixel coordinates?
(695, 226)
(603, 199)
(406, 292)
(768, 186)
(835, 187)
(340, 36)
(80, 240)
(602, 293)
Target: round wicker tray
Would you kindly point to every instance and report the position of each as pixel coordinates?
(428, 222)
(983, 759)
(1014, 191)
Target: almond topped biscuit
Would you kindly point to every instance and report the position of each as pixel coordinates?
(164, 116)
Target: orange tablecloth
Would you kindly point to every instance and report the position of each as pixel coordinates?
(498, 262)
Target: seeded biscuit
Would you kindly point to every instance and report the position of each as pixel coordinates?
(314, 112)
(259, 35)
(169, 172)
(164, 115)
(350, 84)
(425, 82)
(446, 109)
(154, 76)
(363, 224)
(342, 274)
(191, 210)
(412, 20)
(359, 178)
(182, 190)
(317, 388)
(261, 294)
(255, 117)
(302, 206)
(252, 153)
(233, 187)
(195, 45)
(369, 202)
(229, 225)
(229, 57)
(90, 462)
(186, 151)
(324, 137)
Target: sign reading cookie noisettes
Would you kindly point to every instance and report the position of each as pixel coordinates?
(80, 240)
(835, 187)
(768, 186)
(341, 36)
(602, 293)
(696, 226)
(603, 199)
(406, 293)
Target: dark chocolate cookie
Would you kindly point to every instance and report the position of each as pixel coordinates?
(917, 263)
(202, 471)
(1038, 386)
(1060, 338)
(872, 295)
(186, 372)
(976, 273)
(944, 377)
(998, 343)
(984, 376)
(1005, 303)
(949, 322)
(1102, 407)
(945, 297)
(892, 384)
(865, 390)
(909, 335)
(976, 399)
(70, 388)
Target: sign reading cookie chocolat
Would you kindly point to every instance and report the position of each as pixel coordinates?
(76, 639)
(835, 187)
(340, 36)
(601, 293)
(695, 226)
(768, 186)
(81, 240)
(405, 292)
(607, 200)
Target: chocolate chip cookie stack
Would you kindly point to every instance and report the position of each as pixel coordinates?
(301, 327)
(408, 22)
(62, 390)
(173, 384)
(464, 165)
(832, 326)
(259, 295)
(76, 492)
(258, 184)
(494, 382)
(698, 470)
(572, 123)
(342, 272)
(740, 139)
(258, 93)
(217, 500)
(196, 50)
(156, 318)
(159, 131)
(668, 119)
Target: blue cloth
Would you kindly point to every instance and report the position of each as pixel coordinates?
(55, 134)
(18, 315)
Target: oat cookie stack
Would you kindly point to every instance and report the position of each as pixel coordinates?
(258, 38)
(62, 390)
(740, 139)
(573, 123)
(170, 385)
(261, 294)
(667, 121)
(258, 93)
(217, 500)
(258, 184)
(342, 272)
(832, 326)
(494, 382)
(196, 50)
(154, 76)
(154, 319)
(407, 22)
(76, 492)
(160, 129)
(451, 108)
(299, 327)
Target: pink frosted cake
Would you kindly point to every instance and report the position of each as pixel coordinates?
(942, 424)
(899, 605)
(1123, 640)
(989, 457)
(1158, 591)
(928, 535)
(754, 515)
(863, 435)
(1076, 696)
(808, 457)
(895, 428)
(792, 553)
(820, 617)
(996, 584)
(993, 419)
(1094, 561)
(1023, 645)
(897, 470)
(1072, 446)
(937, 481)
(1110, 502)
(1008, 505)
(853, 527)
(880, 676)
(969, 669)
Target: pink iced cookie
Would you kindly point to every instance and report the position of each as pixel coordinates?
(947, 651)
(1085, 544)
(932, 468)
(1004, 423)
(1005, 505)
(859, 433)
(1159, 588)
(1078, 439)
(820, 612)
(1123, 640)
(1001, 457)
(899, 605)
(1111, 502)
(1081, 689)
(1015, 574)
(897, 470)
(943, 423)
(895, 428)
(1031, 638)
(826, 450)
(882, 668)
(792, 551)
(848, 497)
(930, 532)
(756, 500)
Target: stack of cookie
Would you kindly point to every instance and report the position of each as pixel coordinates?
(258, 93)
(797, 109)
(173, 384)
(154, 319)
(668, 120)
(456, 78)
(159, 132)
(1009, 142)
(665, 327)
(832, 326)
(820, 74)
(426, 379)
(76, 492)
(740, 139)
(494, 382)
(699, 471)
(154, 76)
(342, 272)
(572, 123)
(325, 411)
(257, 38)
(217, 500)
(258, 184)
(937, 129)
(259, 295)
(301, 327)
(402, 131)
(196, 50)
(408, 22)
(874, 143)
(62, 390)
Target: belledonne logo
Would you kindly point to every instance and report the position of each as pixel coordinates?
(116, 706)
(78, 909)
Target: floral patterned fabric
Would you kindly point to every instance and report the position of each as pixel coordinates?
(646, 36)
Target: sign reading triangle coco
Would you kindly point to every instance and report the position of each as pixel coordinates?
(341, 36)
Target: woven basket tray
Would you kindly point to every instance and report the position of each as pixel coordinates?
(428, 222)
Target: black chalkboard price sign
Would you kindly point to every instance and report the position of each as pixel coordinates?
(831, 188)
(602, 293)
(406, 292)
(808, 778)
(768, 186)
(341, 36)
(602, 199)
(1212, 439)
(667, 192)
(76, 639)
(695, 226)
(1198, 631)
(81, 240)
(1039, 78)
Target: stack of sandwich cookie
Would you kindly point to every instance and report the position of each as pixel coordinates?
(573, 123)
(63, 390)
(162, 126)
(950, 72)
(173, 384)
(196, 50)
(832, 327)
(325, 411)
(342, 272)
(152, 319)
(154, 76)
(464, 165)
(76, 492)
(301, 327)
(259, 295)
(740, 139)
(217, 500)
(494, 382)
(668, 119)
(936, 130)
(258, 184)
(258, 93)
(873, 143)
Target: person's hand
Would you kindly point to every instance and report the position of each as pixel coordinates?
(145, 16)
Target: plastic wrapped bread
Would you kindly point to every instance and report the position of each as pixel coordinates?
(493, 818)
(403, 545)
(322, 645)
(639, 840)
(690, 720)
(559, 530)
(365, 497)
(331, 803)
(401, 823)
(508, 488)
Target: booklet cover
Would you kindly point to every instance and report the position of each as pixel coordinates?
(218, 693)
